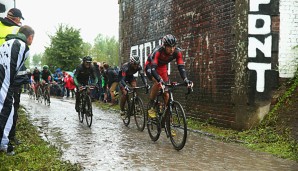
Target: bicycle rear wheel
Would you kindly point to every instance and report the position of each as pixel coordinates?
(153, 125)
(88, 111)
(177, 126)
(126, 118)
(139, 113)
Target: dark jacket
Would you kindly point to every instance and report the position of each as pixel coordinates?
(21, 78)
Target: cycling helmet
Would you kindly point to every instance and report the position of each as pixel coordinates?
(169, 40)
(28, 70)
(135, 59)
(45, 67)
(87, 59)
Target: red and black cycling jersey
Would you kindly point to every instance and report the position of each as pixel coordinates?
(127, 71)
(36, 75)
(83, 74)
(158, 61)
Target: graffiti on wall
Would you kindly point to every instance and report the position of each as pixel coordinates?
(259, 42)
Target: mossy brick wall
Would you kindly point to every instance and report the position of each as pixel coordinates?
(213, 36)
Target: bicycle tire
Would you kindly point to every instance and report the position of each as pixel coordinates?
(126, 119)
(40, 96)
(177, 126)
(80, 111)
(88, 111)
(30, 92)
(46, 98)
(153, 125)
(139, 113)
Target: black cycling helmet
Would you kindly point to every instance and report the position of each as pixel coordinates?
(45, 67)
(87, 59)
(135, 59)
(169, 40)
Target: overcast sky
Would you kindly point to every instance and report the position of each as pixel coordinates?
(91, 16)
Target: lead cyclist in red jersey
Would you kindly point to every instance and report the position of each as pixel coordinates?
(156, 67)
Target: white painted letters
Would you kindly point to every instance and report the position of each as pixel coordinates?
(254, 4)
(254, 44)
(262, 29)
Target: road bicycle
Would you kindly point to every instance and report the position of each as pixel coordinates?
(170, 116)
(46, 93)
(39, 94)
(31, 92)
(85, 105)
(134, 106)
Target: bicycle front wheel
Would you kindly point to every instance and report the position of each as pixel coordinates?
(126, 117)
(177, 126)
(31, 93)
(88, 111)
(47, 98)
(40, 95)
(80, 111)
(139, 113)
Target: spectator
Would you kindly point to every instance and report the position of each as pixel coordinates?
(11, 25)
(112, 81)
(18, 45)
(69, 85)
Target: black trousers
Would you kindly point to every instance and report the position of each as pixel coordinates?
(16, 95)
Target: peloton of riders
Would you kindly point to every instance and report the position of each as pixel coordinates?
(109, 80)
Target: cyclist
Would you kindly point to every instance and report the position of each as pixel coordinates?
(84, 74)
(126, 75)
(35, 80)
(156, 67)
(111, 76)
(46, 77)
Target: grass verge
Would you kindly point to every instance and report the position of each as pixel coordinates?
(34, 153)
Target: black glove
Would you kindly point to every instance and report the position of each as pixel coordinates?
(127, 88)
(187, 82)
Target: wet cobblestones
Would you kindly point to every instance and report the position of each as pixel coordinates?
(109, 145)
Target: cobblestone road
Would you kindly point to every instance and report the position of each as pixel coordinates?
(109, 145)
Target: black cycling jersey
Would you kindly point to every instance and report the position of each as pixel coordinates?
(82, 75)
(127, 71)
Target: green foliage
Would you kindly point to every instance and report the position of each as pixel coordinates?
(36, 60)
(106, 49)
(65, 50)
(34, 153)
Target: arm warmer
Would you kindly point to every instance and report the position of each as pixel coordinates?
(182, 72)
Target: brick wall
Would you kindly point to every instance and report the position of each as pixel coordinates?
(214, 36)
(204, 34)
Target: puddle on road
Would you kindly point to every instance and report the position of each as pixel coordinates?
(109, 145)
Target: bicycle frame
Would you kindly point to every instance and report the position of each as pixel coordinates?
(85, 105)
(133, 102)
(173, 115)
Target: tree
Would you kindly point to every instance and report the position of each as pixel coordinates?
(36, 60)
(65, 50)
(106, 49)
